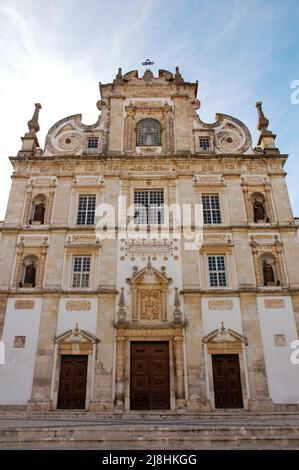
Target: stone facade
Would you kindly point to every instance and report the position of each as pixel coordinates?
(149, 289)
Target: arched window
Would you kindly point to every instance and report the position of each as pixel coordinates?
(148, 133)
(269, 270)
(38, 209)
(28, 273)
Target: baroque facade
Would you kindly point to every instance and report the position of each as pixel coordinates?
(92, 318)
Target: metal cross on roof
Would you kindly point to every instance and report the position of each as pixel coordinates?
(147, 62)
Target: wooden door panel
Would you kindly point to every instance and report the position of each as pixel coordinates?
(72, 382)
(227, 381)
(149, 375)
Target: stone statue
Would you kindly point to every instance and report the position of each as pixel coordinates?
(259, 211)
(30, 274)
(268, 273)
(39, 213)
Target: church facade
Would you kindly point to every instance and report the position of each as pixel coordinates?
(149, 261)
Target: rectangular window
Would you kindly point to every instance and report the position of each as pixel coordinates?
(217, 271)
(211, 209)
(86, 210)
(204, 143)
(81, 271)
(149, 206)
(92, 143)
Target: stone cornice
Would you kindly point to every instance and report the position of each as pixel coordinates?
(210, 228)
(124, 157)
(21, 292)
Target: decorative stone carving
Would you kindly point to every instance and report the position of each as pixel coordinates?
(208, 180)
(148, 247)
(231, 135)
(280, 340)
(150, 304)
(24, 304)
(19, 341)
(274, 303)
(220, 304)
(78, 305)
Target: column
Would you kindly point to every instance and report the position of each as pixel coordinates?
(247, 204)
(280, 266)
(41, 269)
(49, 208)
(257, 269)
(27, 206)
(120, 371)
(269, 204)
(179, 367)
(16, 277)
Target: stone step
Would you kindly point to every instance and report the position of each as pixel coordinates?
(156, 443)
(132, 436)
(222, 415)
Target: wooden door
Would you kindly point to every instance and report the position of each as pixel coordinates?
(72, 382)
(227, 381)
(149, 387)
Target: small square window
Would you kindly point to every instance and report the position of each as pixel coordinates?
(204, 143)
(93, 143)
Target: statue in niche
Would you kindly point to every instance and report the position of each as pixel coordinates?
(30, 274)
(258, 211)
(39, 213)
(268, 273)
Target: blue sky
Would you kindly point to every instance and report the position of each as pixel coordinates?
(56, 52)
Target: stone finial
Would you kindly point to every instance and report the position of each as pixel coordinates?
(148, 75)
(177, 73)
(30, 145)
(178, 76)
(33, 124)
(266, 139)
(119, 74)
(177, 314)
(122, 306)
(122, 302)
(177, 302)
(263, 122)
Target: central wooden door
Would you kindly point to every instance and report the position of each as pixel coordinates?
(227, 381)
(149, 387)
(72, 382)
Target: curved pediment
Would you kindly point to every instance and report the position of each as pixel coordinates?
(67, 135)
(230, 135)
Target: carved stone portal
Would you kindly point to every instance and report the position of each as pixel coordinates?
(149, 294)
